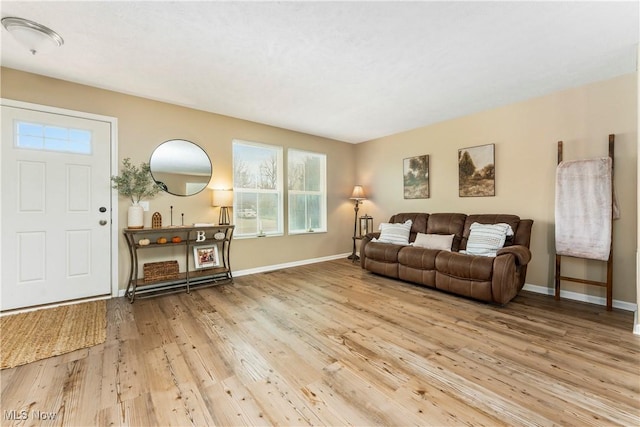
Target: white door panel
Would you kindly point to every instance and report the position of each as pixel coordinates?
(53, 246)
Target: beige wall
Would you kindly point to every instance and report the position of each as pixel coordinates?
(144, 124)
(525, 137)
(524, 134)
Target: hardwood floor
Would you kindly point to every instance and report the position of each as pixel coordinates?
(330, 344)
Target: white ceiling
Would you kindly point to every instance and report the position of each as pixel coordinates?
(351, 71)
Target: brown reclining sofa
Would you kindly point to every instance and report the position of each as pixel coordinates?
(492, 279)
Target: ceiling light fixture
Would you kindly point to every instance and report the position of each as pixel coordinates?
(33, 36)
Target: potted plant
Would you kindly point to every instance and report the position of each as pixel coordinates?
(136, 183)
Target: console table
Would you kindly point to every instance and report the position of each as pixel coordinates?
(216, 238)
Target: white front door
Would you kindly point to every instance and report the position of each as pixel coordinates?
(55, 213)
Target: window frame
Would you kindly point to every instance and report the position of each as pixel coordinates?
(322, 193)
(279, 191)
(50, 140)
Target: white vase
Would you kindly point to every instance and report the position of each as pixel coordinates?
(135, 216)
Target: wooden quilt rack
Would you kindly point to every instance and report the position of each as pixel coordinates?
(608, 284)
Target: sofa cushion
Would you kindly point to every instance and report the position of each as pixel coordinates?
(383, 252)
(382, 258)
(512, 220)
(420, 258)
(434, 241)
(486, 239)
(464, 266)
(395, 233)
(418, 265)
(389, 269)
(419, 222)
(448, 223)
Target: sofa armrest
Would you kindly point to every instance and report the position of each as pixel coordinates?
(521, 253)
(363, 243)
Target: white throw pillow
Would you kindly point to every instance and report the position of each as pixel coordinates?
(395, 233)
(486, 239)
(434, 241)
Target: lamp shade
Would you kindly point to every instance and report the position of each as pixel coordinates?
(222, 198)
(358, 193)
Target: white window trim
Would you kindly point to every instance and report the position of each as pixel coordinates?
(279, 189)
(321, 192)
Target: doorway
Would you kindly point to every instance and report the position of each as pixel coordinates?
(56, 206)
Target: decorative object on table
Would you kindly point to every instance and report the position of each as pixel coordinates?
(161, 240)
(366, 225)
(224, 200)
(206, 256)
(156, 220)
(416, 177)
(171, 210)
(135, 183)
(144, 242)
(219, 235)
(162, 270)
(476, 171)
(357, 196)
(182, 219)
(176, 239)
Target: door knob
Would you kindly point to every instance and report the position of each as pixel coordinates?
(103, 222)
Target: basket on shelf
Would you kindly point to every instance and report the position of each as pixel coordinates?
(164, 270)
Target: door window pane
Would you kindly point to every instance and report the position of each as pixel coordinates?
(38, 136)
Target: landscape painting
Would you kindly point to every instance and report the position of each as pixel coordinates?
(476, 171)
(416, 177)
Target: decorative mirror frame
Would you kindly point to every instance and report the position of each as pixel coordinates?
(181, 167)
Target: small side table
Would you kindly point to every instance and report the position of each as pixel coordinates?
(354, 257)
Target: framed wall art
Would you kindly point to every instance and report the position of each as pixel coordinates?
(476, 171)
(416, 177)
(206, 256)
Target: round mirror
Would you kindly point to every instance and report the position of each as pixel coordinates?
(181, 167)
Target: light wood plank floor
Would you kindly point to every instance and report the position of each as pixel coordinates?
(330, 344)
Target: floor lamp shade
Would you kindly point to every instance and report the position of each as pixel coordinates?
(358, 193)
(223, 199)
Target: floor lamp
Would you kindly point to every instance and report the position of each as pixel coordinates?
(357, 196)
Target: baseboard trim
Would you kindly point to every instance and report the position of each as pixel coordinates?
(622, 305)
(274, 267)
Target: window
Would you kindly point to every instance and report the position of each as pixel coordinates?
(257, 189)
(37, 136)
(307, 174)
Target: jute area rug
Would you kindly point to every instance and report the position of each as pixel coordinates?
(35, 335)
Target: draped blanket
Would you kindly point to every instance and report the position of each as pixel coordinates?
(583, 209)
